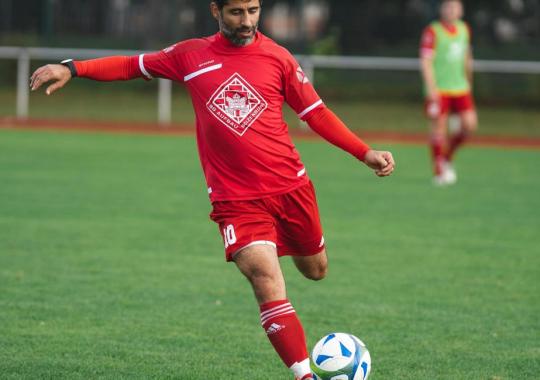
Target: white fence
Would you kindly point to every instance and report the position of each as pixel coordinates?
(309, 64)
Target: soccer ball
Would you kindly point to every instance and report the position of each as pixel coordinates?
(340, 356)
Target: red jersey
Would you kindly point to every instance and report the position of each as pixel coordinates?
(238, 95)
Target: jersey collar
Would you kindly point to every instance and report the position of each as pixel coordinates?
(450, 28)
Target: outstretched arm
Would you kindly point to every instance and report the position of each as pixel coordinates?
(331, 128)
(101, 69)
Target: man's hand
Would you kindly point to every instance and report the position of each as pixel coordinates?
(59, 74)
(382, 162)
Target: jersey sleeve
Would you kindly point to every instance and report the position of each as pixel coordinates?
(299, 92)
(167, 63)
(109, 68)
(427, 43)
(332, 129)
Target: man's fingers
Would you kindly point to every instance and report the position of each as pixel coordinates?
(52, 88)
(386, 170)
(55, 86)
(389, 158)
(35, 74)
(382, 162)
(38, 78)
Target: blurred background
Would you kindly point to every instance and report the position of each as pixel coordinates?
(502, 30)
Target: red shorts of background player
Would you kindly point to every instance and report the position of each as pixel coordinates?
(290, 222)
(447, 104)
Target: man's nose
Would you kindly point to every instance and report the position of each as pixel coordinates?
(246, 20)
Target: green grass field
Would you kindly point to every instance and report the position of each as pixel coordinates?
(111, 269)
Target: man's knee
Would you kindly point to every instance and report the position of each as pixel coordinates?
(315, 268)
(263, 278)
(470, 121)
(439, 125)
(261, 267)
(438, 133)
(316, 273)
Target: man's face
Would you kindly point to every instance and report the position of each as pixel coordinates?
(451, 11)
(238, 20)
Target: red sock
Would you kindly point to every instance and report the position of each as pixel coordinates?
(286, 334)
(437, 147)
(455, 142)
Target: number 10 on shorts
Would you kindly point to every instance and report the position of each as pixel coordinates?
(229, 237)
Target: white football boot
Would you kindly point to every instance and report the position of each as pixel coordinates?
(449, 173)
(439, 180)
(447, 177)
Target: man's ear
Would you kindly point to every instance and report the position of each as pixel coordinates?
(214, 10)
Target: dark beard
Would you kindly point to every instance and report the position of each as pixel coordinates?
(233, 34)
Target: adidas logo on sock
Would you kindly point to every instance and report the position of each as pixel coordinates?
(274, 328)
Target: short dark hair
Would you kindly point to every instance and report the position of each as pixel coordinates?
(221, 3)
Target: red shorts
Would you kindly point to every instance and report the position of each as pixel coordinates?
(447, 104)
(290, 222)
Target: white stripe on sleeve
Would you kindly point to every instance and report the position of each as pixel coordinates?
(310, 108)
(143, 69)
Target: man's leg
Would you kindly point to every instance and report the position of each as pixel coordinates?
(438, 143)
(260, 265)
(312, 267)
(469, 124)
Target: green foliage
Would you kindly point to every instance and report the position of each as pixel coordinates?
(327, 45)
(111, 269)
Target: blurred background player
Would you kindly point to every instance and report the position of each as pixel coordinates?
(447, 70)
(262, 197)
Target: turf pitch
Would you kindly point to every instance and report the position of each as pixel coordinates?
(111, 269)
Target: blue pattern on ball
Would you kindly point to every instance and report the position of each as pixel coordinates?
(344, 351)
(329, 338)
(322, 358)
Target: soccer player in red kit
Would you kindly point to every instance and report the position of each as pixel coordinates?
(447, 66)
(262, 198)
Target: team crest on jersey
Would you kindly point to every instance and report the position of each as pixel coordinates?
(237, 104)
(302, 77)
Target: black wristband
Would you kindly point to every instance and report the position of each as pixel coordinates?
(71, 66)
